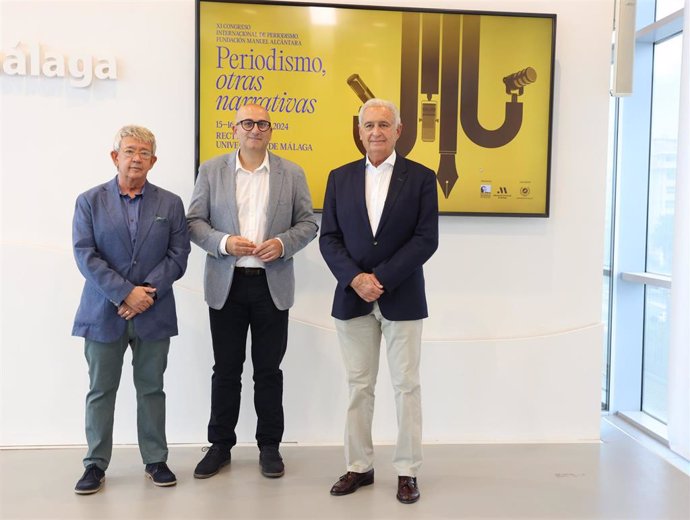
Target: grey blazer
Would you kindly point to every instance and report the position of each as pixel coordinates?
(213, 214)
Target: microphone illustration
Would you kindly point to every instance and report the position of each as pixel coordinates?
(518, 80)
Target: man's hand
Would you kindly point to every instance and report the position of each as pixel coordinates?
(367, 287)
(140, 299)
(239, 246)
(269, 250)
(126, 312)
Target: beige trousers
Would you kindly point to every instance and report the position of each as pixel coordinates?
(360, 342)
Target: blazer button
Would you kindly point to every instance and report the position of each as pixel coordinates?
(376, 243)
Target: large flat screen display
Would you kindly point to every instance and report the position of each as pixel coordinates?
(475, 91)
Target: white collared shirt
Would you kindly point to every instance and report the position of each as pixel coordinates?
(251, 193)
(377, 180)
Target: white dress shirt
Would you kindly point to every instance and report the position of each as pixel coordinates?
(251, 193)
(377, 181)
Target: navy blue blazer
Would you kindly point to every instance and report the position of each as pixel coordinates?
(112, 268)
(406, 238)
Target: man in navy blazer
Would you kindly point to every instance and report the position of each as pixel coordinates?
(131, 243)
(379, 226)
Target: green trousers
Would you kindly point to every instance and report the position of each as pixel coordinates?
(149, 361)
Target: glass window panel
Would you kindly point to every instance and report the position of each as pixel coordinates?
(605, 315)
(666, 7)
(608, 260)
(663, 148)
(613, 115)
(655, 356)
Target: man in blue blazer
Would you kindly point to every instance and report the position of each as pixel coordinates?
(251, 212)
(131, 243)
(379, 226)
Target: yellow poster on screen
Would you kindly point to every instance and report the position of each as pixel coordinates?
(474, 91)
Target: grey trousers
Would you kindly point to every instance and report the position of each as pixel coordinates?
(149, 361)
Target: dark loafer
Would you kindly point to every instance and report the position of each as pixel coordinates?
(160, 474)
(408, 492)
(351, 482)
(271, 462)
(216, 457)
(91, 481)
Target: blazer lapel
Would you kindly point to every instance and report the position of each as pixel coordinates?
(150, 201)
(276, 178)
(398, 178)
(113, 204)
(228, 184)
(360, 192)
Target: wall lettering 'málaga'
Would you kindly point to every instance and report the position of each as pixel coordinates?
(32, 60)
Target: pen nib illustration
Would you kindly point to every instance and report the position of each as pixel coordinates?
(447, 174)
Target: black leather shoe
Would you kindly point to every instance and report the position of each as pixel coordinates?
(217, 456)
(271, 462)
(91, 481)
(160, 474)
(408, 492)
(351, 482)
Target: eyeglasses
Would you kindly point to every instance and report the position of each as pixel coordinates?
(248, 125)
(144, 154)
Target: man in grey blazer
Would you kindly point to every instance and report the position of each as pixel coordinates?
(251, 211)
(131, 243)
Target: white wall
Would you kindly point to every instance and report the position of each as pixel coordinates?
(512, 350)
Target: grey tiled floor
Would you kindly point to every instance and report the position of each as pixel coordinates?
(617, 478)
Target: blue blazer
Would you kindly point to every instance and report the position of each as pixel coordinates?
(407, 236)
(112, 268)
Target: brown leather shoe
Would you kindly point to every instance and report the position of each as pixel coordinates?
(408, 492)
(351, 481)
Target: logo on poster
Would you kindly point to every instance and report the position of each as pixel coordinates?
(502, 193)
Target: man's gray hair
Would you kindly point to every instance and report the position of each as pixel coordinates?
(137, 132)
(376, 102)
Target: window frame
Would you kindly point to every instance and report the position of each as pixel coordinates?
(627, 273)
